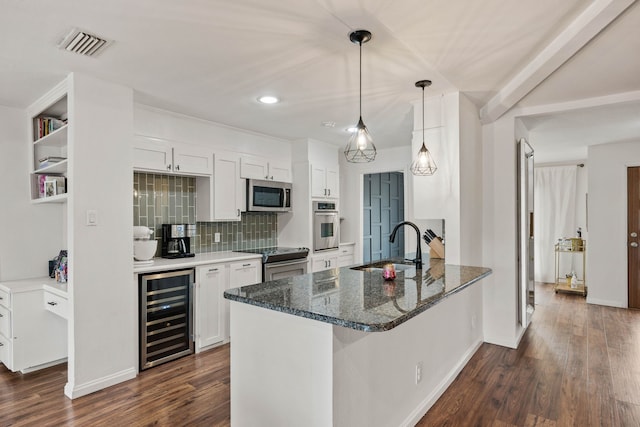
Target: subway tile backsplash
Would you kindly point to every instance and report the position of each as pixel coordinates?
(167, 199)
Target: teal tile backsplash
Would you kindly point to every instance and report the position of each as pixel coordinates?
(167, 199)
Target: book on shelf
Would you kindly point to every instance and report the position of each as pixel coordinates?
(43, 126)
(48, 161)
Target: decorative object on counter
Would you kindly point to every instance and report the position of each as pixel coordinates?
(423, 165)
(61, 270)
(360, 148)
(388, 272)
(143, 247)
(436, 245)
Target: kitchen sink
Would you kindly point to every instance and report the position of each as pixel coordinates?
(378, 265)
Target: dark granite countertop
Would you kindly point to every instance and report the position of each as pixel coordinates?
(361, 299)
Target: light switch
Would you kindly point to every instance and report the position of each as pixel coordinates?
(216, 237)
(92, 217)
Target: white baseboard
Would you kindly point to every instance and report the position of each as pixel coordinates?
(73, 391)
(415, 416)
(598, 301)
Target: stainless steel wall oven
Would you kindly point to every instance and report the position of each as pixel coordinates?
(166, 316)
(326, 226)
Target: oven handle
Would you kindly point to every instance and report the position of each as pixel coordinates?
(285, 263)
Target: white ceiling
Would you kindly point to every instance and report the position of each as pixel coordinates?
(213, 58)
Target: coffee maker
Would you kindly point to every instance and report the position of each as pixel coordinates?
(176, 240)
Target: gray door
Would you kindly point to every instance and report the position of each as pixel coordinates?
(383, 208)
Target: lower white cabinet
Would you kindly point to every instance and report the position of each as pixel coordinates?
(211, 281)
(346, 256)
(324, 261)
(211, 308)
(31, 337)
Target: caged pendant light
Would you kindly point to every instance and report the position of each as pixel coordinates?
(360, 148)
(423, 165)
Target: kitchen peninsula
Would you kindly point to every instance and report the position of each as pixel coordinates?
(345, 347)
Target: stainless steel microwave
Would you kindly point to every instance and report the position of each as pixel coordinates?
(268, 196)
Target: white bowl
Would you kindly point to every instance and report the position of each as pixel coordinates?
(141, 232)
(144, 250)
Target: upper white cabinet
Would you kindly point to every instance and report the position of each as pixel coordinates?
(221, 198)
(324, 181)
(49, 129)
(169, 157)
(255, 167)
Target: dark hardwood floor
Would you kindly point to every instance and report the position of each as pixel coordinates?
(577, 365)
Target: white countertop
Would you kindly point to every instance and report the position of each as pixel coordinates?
(160, 264)
(26, 285)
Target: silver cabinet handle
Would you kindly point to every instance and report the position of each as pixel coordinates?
(1, 298)
(271, 178)
(51, 303)
(169, 167)
(177, 167)
(266, 177)
(1, 344)
(329, 191)
(634, 244)
(1, 315)
(213, 269)
(634, 234)
(325, 191)
(238, 212)
(246, 265)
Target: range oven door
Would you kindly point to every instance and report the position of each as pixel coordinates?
(326, 234)
(283, 269)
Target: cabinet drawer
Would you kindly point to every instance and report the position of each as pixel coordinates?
(5, 298)
(5, 350)
(56, 304)
(5, 326)
(346, 250)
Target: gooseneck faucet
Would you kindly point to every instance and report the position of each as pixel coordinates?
(392, 237)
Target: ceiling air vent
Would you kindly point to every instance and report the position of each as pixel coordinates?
(83, 43)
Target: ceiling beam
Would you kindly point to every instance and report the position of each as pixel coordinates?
(587, 25)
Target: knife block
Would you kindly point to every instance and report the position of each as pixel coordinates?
(436, 249)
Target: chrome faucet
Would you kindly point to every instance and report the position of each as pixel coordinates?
(392, 237)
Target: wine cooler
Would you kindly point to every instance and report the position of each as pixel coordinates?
(166, 320)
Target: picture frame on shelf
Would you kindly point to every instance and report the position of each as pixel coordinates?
(50, 189)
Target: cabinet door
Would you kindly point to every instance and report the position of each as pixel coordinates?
(318, 181)
(152, 156)
(279, 171)
(210, 315)
(192, 160)
(227, 193)
(254, 167)
(332, 261)
(324, 262)
(332, 183)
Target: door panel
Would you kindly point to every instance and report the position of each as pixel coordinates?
(383, 208)
(633, 230)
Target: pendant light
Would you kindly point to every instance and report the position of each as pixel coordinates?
(360, 148)
(423, 165)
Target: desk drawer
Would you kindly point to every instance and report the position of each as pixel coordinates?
(5, 324)
(5, 298)
(5, 351)
(56, 304)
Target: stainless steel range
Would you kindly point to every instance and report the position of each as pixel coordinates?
(280, 262)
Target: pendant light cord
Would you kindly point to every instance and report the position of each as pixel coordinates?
(422, 115)
(360, 43)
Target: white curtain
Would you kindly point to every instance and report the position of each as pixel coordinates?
(554, 217)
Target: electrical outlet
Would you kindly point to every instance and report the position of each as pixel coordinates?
(216, 238)
(418, 372)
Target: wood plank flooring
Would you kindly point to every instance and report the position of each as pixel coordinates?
(577, 365)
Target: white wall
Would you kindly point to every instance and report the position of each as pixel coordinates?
(607, 245)
(499, 240)
(104, 314)
(31, 234)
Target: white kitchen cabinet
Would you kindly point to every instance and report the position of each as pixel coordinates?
(256, 167)
(56, 304)
(157, 155)
(221, 197)
(31, 336)
(347, 256)
(210, 316)
(324, 182)
(324, 261)
(244, 273)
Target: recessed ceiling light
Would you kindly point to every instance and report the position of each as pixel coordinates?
(268, 99)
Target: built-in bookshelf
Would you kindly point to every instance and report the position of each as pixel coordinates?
(49, 136)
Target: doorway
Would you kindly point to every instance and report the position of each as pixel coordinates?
(383, 207)
(633, 228)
